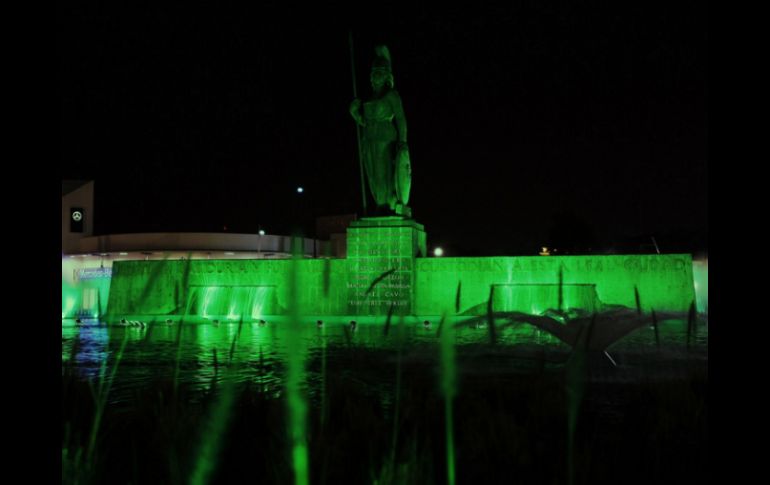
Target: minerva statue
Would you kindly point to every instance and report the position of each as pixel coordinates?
(384, 152)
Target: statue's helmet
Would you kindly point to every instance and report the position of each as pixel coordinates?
(381, 65)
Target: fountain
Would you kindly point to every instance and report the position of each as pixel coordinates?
(586, 302)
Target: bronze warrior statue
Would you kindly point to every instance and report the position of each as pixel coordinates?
(383, 146)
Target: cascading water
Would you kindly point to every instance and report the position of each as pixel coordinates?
(258, 299)
(231, 302)
(537, 298)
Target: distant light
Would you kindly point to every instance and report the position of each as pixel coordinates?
(261, 232)
(124, 254)
(545, 252)
(229, 253)
(300, 190)
(438, 252)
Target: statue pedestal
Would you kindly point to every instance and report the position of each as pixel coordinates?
(383, 250)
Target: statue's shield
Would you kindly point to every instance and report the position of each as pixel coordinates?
(403, 176)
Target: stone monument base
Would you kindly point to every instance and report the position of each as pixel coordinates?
(381, 263)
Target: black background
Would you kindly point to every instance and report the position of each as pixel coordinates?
(582, 126)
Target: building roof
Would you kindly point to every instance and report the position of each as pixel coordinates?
(193, 241)
(69, 186)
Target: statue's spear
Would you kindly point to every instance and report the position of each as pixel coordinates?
(358, 128)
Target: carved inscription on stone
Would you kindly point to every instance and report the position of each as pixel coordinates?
(380, 271)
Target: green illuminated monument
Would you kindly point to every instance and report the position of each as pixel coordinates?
(387, 268)
(383, 148)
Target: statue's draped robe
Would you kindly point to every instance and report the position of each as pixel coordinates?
(386, 167)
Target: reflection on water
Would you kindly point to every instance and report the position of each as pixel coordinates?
(92, 346)
(256, 352)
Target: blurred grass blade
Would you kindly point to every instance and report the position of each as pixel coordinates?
(327, 271)
(232, 349)
(576, 370)
(103, 393)
(397, 399)
(638, 301)
(178, 356)
(449, 389)
(388, 320)
(378, 279)
(589, 333)
(457, 296)
(491, 317)
(157, 270)
(182, 303)
(214, 429)
(690, 323)
(440, 325)
(297, 406)
(655, 327)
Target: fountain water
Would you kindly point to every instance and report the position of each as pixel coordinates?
(231, 302)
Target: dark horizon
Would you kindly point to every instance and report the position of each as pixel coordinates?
(527, 126)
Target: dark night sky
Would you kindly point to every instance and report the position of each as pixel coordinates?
(580, 126)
